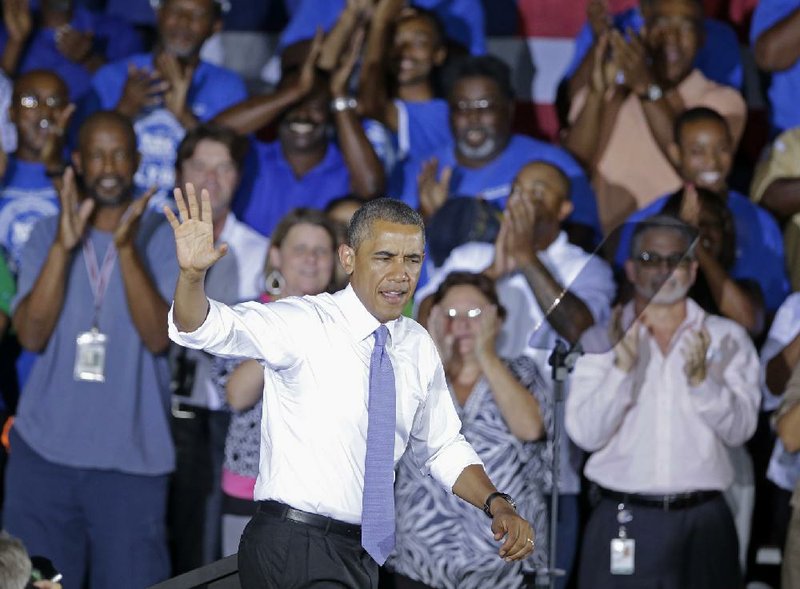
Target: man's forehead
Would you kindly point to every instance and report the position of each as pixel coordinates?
(473, 86)
(40, 83)
(677, 8)
(664, 238)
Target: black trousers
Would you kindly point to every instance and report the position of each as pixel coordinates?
(279, 554)
(692, 548)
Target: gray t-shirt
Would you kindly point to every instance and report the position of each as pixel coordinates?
(123, 423)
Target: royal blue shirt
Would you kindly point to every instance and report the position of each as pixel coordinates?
(121, 424)
(719, 57)
(493, 181)
(463, 21)
(276, 190)
(136, 12)
(114, 39)
(759, 246)
(785, 85)
(26, 195)
(159, 133)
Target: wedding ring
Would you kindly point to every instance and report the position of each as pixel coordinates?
(531, 541)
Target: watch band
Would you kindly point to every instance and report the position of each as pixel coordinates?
(653, 93)
(492, 496)
(343, 103)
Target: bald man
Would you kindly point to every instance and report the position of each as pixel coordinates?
(87, 482)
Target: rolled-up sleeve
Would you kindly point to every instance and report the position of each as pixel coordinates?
(437, 445)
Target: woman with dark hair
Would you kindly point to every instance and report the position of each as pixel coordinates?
(300, 262)
(505, 414)
(715, 289)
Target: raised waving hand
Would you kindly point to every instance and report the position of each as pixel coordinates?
(194, 232)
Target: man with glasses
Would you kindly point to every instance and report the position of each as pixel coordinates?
(661, 395)
(40, 110)
(485, 155)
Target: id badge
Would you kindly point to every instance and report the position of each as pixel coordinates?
(90, 356)
(622, 556)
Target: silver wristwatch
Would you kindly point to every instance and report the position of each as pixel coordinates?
(343, 103)
(653, 93)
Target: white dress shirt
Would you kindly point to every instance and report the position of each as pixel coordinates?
(316, 352)
(650, 431)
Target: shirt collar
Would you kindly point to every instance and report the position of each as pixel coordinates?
(360, 321)
(695, 317)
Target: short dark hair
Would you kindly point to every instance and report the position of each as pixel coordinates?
(663, 222)
(104, 118)
(237, 145)
(381, 209)
(479, 281)
(480, 66)
(693, 115)
(220, 7)
(39, 72)
(415, 12)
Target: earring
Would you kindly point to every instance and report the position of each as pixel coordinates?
(275, 283)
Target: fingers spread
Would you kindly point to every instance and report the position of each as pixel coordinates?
(181, 204)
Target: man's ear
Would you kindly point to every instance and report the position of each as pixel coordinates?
(674, 153)
(565, 210)
(347, 258)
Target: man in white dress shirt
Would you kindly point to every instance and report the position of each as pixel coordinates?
(318, 354)
(209, 157)
(658, 411)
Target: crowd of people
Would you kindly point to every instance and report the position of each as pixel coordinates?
(142, 441)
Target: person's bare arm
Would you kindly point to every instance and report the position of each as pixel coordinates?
(780, 367)
(778, 48)
(245, 385)
(37, 314)
(373, 96)
(782, 197)
(252, 114)
(148, 310)
(366, 171)
(788, 428)
(733, 301)
(600, 21)
(336, 40)
(519, 408)
(194, 244)
(19, 23)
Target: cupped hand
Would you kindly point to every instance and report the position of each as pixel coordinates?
(518, 533)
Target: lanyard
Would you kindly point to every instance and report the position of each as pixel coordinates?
(98, 277)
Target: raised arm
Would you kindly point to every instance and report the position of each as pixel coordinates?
(259, 111)
(373, 94)
(37, 314)
(366, 171)
(778, 48)
(194, 243)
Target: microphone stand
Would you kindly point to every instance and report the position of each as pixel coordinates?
(562, 361)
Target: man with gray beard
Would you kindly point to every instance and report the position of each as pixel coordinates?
(659, 408)
(486, 155)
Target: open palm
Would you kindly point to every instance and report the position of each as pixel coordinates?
(194, 232)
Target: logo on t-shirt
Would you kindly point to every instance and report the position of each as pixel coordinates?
(20, 210)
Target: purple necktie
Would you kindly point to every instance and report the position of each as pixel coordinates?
(377, 506)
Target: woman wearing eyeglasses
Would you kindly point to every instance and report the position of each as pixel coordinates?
(505, 415)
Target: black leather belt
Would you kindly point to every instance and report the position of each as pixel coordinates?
(665, 502)
(283, 511)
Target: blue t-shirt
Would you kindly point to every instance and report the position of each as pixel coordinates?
(276, 190)
(121, 424)
(759, 246)
(493, 181)
(463, 21)
(719, 57)
(113, 39)
(136, 12)
(784, 87)
(26, 195)
(159, 133)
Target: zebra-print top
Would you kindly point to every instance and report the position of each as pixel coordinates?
(446, 543)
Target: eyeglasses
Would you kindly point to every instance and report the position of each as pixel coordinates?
(468, 314)
(32, 101)
(672, 261)
(479, 105)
